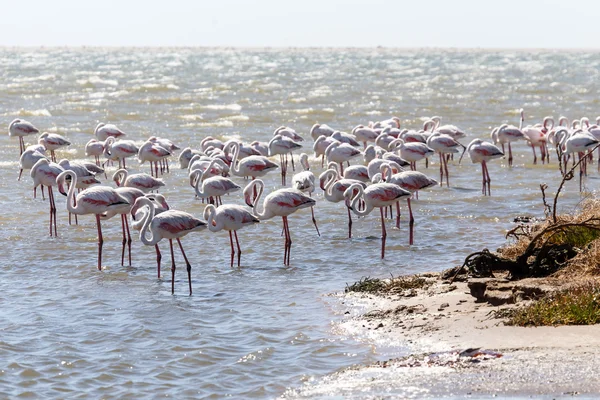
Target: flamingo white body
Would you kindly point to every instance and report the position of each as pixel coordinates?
(372, 152)
(104, 131)
(212, 187)
(94, 148)
(482, 152)
(393, 122)
(261, 147)
(345, 138)
(154, 152)
(305, 182)
(186, 155)
(28, 159)
(377, 195)
(413, 136)
(334, 188)
(289, 132)
(85, 177)
(170, 224)
(321, 130)
(206, 164)
(253, 166)
(321, 144)
(45, 173)
(245, 150)
(364, 134)
(443, 144)
(144, 182)
(356, 172)
(579, 142)
(52, 142)
(95, 200)
(383, 140)
(340, 153)
(412, 152)
(282, 146)
(210, 141)
(231, 218)
(280, 203)
(119, 150)
(20, 128)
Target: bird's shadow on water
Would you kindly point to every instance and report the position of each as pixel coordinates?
(464, 189)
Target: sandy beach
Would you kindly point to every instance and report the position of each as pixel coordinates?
(457, 347)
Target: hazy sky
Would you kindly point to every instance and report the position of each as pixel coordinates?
(400, 23)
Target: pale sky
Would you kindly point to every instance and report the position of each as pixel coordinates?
(302, 23)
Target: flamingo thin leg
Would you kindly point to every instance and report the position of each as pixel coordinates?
(383, 233)
(100, 242)
(239, 250)
(187, 265)
(173, 267)
(158, 258)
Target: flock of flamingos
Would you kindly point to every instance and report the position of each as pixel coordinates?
(386, 174)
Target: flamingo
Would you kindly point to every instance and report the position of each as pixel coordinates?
(245, 150)
(231, 218)
(378, 195)
(411, 152)
(202, 163)
(170, 224)
(146, 183)
(104, 131)
(321, 130)
(282, 145)
(28, 159)
(356, 172)
(20, 127)
(85, 177)
(213, 187)
(210, 141)
(443, 144)
(131, 195)
(280, 203)
(120, 150)
(160, 205)
(289, 132)
(95, 200)
(305, 182)
(411, 181)
(52, 141)
(45, 173)
(364, 134)
(254, 166)
(153, 152)
(334, 188)
(579, 142)
(345, 138)
(261, 147)
(509, 133)
(321, 144)
(393, 122)
(341, 152)
(482, 152)
(94, 148)
(186, 155)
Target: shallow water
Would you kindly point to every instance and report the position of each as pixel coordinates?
(255, 331)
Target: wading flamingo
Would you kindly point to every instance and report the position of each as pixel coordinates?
(482, 152)
(305, 182)
(20, 127)
(52, 141)
(146, 183)
(45, 173)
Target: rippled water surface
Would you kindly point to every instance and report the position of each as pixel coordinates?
(68, 330)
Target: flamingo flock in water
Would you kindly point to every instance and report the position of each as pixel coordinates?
(385, 174)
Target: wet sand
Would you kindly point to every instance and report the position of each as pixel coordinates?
(437, 325)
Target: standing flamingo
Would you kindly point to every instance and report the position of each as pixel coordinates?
(321, 130)
(45, 173)
(305, 182)
(509, 133)
(411, 152)
(104, 131)
(170, 224)
(52, 141)
(289, 132)
(119, 150)
(94, 148)
(20, 127)
(154, 153)
(231, 218)
(443, 144)
(341, 152)
(482, 152)
(146, 183)
(95, 200)
(213, 187)
(282, 145)
(28, 159)
(160, 205)
(364, 134)
(280, 203)
(186, 155)
(254, 166)
(379, 195)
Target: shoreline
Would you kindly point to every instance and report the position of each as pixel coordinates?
(456, 347)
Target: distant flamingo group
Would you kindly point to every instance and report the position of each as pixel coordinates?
(383, 172)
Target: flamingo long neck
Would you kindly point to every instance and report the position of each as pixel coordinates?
(206, 172)
(120, 176)
(214, 225)
(386, 171)
(330, 178)
(147, 219)
(235, 167)
(548, 123)
(199, 179)
(108, 146)
(265, 214)
(354, 202)
(71, 193)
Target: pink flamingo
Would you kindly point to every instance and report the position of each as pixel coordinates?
(254, 166)
(289, 132)
(443, 144)
(321, 130)
(131, 195)
(230, 218)
(160, 205)
(482, 152)
(20, 127)
(45, 173)
(213, 187)
(341, 152)
(321, 144)
(305, 182)
(509, 133)
(365, 134)
(280, 203)
(120, 150)
(282, 145)
(579, 142)
(411, 152)
(356, 172)
(85, 177)
(146, 183)
(154, 153)
(95, 200)
(104, 131)
(52, 141)
(94, 148)
(170, 224)
(334, 188)
(378, 195)
(28, 159)
(411, 181)
(186, 156)
(345, 138)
